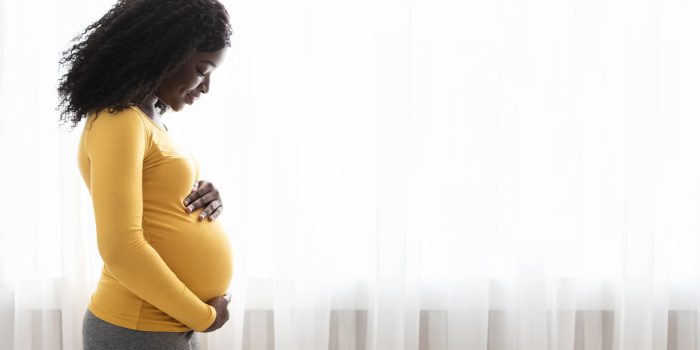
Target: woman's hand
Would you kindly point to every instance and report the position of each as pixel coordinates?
(222, 315)
(204, 194)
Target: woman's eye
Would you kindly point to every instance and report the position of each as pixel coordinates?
(200, 73)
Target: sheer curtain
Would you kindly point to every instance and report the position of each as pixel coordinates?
(432, 175)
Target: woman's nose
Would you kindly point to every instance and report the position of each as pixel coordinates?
(205, 85)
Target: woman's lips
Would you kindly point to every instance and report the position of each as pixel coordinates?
(189, 99)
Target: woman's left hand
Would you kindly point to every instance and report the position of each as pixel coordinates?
(204, 195)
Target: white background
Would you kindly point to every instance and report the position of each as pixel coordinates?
(536, 158)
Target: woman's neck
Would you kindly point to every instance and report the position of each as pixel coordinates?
(148, 106)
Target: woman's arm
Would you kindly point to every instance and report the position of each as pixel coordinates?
(116, 147)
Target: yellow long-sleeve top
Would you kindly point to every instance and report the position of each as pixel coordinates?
(160, 263)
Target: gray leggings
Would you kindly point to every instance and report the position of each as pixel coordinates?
(101, 335)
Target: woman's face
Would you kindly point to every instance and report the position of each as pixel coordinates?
(185, 84)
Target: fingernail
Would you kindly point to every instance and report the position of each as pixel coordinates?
(186, 201)
(189, 209)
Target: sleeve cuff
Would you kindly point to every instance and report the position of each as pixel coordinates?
(208, 321)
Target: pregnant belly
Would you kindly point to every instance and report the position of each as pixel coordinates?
(198, 252)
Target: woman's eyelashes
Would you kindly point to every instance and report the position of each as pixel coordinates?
(200, 73)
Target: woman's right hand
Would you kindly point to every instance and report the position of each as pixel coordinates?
(221, 306)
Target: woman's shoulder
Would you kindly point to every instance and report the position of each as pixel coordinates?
(128, 119)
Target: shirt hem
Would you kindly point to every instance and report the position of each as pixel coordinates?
(139, 325)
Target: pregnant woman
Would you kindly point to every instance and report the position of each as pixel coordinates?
(167, 261)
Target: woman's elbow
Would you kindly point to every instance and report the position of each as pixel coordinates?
(114, 247)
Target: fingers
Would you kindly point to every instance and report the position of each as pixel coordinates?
(216, 212)
(209, 210)
(220, 303)
(228, 297)
(225, 314)
(203, 194)
(192, 196)
(202, 201)
(203, 187)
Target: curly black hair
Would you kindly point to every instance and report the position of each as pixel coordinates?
(119, 59)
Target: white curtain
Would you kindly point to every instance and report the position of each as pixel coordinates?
(416, 174)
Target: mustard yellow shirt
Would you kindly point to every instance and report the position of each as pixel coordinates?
(160, 263)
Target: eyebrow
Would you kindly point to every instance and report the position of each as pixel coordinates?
(210, 62)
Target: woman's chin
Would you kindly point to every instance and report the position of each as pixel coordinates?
(177, 106)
